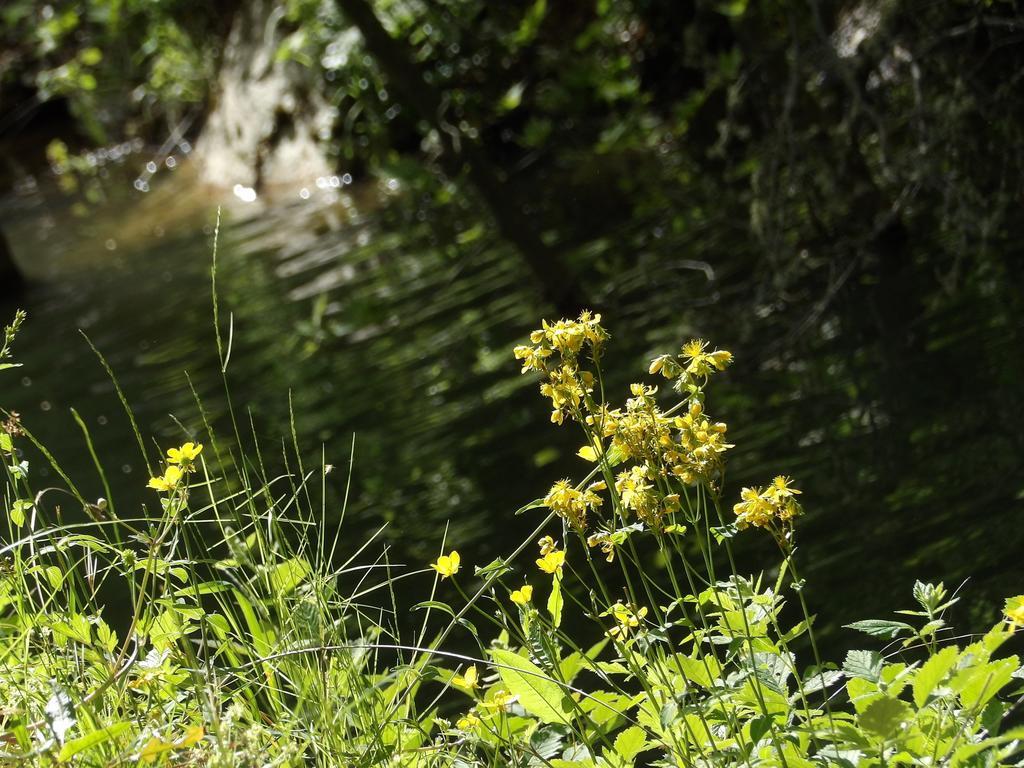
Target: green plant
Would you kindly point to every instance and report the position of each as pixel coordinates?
(242, 645)
(697, 666)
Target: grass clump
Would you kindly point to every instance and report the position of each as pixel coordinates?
(246, 638)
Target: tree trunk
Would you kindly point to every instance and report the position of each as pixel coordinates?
(267, 114)
(464, 154)
(11, 280)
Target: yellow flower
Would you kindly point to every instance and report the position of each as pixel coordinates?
(781, 489)
(626, 619)
(763, 508)
(1015, 616)
(523, 595)
(470, 680)
(499, 700)
(546, 544)
(694, 348)
(168, 482)
(467, 721)
(665, 365)
(184, 455)
(552, 562)
(447, 565)
(571, 504)
(532, 357)
(605, 542)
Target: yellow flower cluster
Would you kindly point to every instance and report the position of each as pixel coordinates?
(689, 447)
(179, 461)
(664, 449)
(637, 494)
(566, 385)
(605, 541)
(764, 508)
(567, 337)
(572, 504)
(693, 362)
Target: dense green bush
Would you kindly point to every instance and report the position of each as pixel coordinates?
(221, 626)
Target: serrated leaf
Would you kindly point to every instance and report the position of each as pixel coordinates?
(545, 743)
(702, 671)
(881, 628)
(630, 743)
(864, 664)
(539, 695)
(977, 685)
(884, 716)
(817, 681)
(964, 753)
(933, 672)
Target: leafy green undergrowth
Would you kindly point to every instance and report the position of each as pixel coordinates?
(222, 626)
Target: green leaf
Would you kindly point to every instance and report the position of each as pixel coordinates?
(630, 743)
(497, 567)
(539, 695)
(535, 504)
(575, 662)
(862, 693)
(18, 510)
(55, 576)
(881, 628)
(605, 708)
(863, 664)
(933, 672)
(964, 753)
(6, 444)
(286, 576)
(700, 671)
(90, 740)
(817, 680)
(979, 684)
(513, 97)
(434, 605)
(91, 56)
(555, 600)
(884, 716)
(4, 366)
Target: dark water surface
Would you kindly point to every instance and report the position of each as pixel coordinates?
(907, 443)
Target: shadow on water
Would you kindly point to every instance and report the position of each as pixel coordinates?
(401, 337)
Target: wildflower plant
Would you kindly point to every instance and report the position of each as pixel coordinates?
(697, 664)
(619, 633)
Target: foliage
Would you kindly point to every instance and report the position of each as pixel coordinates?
(122, 65)
(249, 638)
